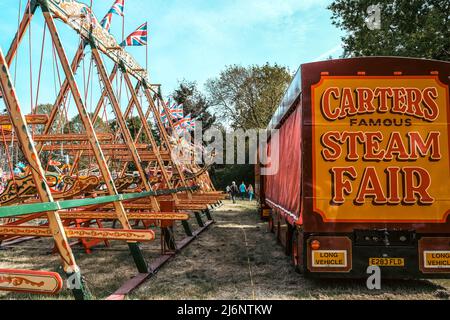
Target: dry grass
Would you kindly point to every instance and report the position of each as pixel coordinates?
(236, 259)
(217, 267)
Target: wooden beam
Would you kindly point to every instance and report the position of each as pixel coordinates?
(131, 216)
(149, 134)
(25, 209)
(87, 147)
(24, 24)
(121, 121)
(136, 252)
(81, 233)
(24, 136)
(163, 133)
(63, 138)
(30, 119)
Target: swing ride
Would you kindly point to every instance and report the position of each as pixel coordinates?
(85, 181)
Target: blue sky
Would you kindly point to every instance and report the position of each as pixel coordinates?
(194, 39)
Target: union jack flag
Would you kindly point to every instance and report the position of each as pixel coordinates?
(177, 111)
(106, 22)
(137, 38)
(192, 124)
(183, 124)
(164, 117)
(117, 8)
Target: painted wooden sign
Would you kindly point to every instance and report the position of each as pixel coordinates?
(26, 281)
(80, 233)
(381, 145)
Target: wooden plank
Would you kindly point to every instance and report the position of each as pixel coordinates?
(131, 216)
(131, 285)
(81, 233)
(63, 138)
(142, 207)
(27, 281)
(25, 209)
(121, 155)
(192, 207)
(87, 147)
(30, 119)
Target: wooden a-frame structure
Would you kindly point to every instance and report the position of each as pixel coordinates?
(137, 206)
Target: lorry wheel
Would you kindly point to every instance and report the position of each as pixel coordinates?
(296, 253)
(278, 232)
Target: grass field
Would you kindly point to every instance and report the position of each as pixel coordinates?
(237, 258)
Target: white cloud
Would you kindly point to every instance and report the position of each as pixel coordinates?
(328, 53)
(195, 39)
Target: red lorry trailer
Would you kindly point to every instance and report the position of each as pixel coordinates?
(363, 169)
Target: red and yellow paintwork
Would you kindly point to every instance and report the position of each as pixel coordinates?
(437, 168)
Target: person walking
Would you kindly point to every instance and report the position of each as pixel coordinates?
(243, 190)
(234, 191)
(251, 192)
(228, 190)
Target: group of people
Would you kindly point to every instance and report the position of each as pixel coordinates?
(243, 191)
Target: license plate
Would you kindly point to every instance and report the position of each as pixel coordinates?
(387, 262)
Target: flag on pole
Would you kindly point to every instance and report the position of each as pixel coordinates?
(177, 111)
(106, 22)
(186, 120)
(183, 124)
(191, 125)
(117, 8)
(137, 38)
(164, 118)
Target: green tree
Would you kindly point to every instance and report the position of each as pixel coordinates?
(194, 102)
(412, 28)
(75, 125)
(45, 109)
(134, 126)
(248, 96)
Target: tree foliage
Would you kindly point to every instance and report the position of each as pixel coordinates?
(412, 28)
(75, 125)
(248, 96)
(194, 102)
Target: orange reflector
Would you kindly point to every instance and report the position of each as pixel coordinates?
(315, 245)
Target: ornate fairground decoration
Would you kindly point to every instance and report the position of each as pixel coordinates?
(381, 149)
(26, 281)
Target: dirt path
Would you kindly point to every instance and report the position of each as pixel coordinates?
(239, 259)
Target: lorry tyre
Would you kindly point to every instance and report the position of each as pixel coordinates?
(296, 253)
(271, 224)
(278, 231)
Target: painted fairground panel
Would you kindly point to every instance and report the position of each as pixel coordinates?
(381, 149)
